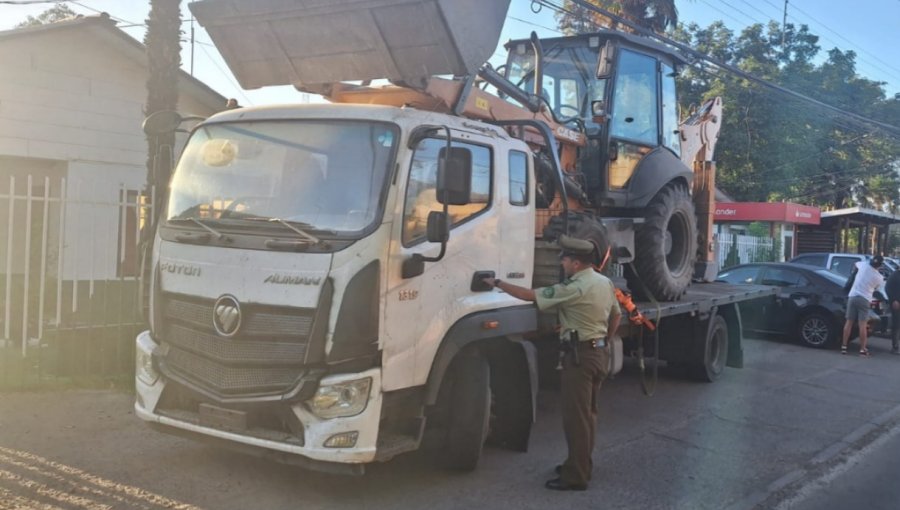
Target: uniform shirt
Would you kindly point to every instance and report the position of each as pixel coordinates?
(585, 302)
(868, 279)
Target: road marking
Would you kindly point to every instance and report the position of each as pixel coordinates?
(51, 493)
(70, 483)
(71, 475)
(10, 501)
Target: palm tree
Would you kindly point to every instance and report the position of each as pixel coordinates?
(164, 60)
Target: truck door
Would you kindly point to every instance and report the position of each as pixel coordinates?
(420, 310)
(515, 200)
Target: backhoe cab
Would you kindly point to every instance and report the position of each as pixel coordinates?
(619, 90)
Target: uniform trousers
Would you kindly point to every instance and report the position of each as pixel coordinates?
(580, 385)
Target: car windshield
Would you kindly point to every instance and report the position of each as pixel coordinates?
(326, 175)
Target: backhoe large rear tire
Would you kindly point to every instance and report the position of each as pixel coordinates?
(665, 246)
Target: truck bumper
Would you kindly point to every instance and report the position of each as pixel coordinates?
(311, 453)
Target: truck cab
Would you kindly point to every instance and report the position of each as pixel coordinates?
(313, 299)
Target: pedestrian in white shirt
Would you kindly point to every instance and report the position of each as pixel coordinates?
(864, 281)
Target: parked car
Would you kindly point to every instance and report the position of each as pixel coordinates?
(840, 263)
(810, 303)
(893, 263)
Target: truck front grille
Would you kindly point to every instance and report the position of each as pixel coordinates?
(266, 355)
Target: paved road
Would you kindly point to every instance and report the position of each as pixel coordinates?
(868, 479)
(756, 439)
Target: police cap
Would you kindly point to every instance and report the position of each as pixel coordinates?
(572, 246)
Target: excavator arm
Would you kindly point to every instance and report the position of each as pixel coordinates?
(699, 133)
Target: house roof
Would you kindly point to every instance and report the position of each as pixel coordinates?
(105, 28)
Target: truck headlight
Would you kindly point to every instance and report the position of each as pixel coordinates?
(342, 399)
(144, 369)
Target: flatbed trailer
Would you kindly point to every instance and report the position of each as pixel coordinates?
(702, 331)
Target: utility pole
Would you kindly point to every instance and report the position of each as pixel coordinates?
(192, 46)
(784, 24)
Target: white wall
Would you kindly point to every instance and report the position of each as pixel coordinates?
(73, 100)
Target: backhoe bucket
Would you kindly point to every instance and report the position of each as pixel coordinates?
(310, 42)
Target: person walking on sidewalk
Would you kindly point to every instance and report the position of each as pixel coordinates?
(863, 282)
(892, 288)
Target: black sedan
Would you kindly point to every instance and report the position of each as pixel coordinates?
(810, 303)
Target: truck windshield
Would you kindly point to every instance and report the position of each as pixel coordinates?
(329, 175)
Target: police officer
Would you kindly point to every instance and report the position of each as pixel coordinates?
(587, 305)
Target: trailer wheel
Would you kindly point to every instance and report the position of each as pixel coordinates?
(715, 353)
(470, 410)
(665, 246)
(817, 330)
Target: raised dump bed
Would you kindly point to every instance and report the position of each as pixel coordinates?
(310, 42)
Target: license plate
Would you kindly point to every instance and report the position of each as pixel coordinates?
(221, 418)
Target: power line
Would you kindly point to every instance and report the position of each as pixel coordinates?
(845, 39)
(226, 75)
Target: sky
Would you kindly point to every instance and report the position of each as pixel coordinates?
(871, 29)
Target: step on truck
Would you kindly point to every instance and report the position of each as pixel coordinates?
(315, 276)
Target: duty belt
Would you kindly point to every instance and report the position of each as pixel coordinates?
(596, 343)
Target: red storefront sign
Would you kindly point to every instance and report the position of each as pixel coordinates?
(764, 211)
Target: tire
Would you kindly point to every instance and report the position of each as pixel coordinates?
(581, 226)
(817, 330)
(714, 353)
(665, 246)
(547, 272)
(470, 411)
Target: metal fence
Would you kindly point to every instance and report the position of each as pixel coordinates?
(69, 280)
(734, 249)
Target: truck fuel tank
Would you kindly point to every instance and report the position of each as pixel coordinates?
(311, 42)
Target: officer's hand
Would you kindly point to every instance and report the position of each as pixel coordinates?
(489, 281)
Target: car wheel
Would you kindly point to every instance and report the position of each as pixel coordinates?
(817, 330)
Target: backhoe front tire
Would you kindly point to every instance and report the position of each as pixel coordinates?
(665, 246)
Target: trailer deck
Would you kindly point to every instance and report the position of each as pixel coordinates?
(701, 298)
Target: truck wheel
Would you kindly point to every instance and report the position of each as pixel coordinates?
(817, 330)
(665, 246)
(470, 410)
(715, 353)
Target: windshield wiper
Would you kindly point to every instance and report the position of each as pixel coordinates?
(220, 236)
(292, 226)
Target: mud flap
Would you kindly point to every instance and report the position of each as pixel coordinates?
(514, 381)
(732, 315)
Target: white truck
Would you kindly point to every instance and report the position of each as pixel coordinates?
(316, 293)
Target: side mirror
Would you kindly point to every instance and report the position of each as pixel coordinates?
(161, 122)
(605, 62)
(166, 121)
(413, 266)
(454, 176)
(437, 231)
(438, 227)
